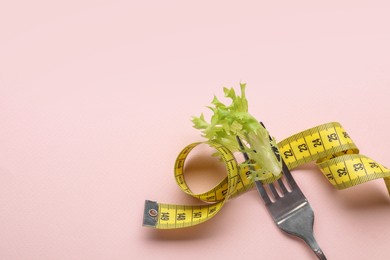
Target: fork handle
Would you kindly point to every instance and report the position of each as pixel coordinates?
(315, 247)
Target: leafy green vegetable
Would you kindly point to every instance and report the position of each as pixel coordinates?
(231, 121)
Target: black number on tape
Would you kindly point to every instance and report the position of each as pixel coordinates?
(358, 167)
(332, 137)
(302, 147)
(317, 142)
(288, 154)
(165, 216)
(342, 172)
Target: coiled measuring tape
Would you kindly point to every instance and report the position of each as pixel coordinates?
(329, 145)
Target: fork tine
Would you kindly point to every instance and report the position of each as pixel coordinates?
(288, 176)
(282, 186)
(246, 157)
(273, 190)
(263, 193)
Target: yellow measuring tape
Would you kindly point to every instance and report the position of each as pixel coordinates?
(329, 145)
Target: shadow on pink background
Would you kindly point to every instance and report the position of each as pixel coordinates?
(96, 99)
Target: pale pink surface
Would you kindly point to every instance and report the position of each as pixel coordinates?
(96, 99)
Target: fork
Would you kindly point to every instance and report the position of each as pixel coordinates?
(290, 209)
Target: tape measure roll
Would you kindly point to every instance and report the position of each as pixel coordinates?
(329, 145)
(168, 216)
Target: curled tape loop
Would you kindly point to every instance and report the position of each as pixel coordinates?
(329, 145)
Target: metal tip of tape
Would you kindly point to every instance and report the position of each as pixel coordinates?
(150, 214)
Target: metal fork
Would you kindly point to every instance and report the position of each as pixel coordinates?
(290, 210)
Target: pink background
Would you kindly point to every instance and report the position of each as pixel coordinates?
(96, 99)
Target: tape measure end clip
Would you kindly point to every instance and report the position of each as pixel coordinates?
(150, 214)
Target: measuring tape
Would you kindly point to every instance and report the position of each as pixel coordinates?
(329, 145)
